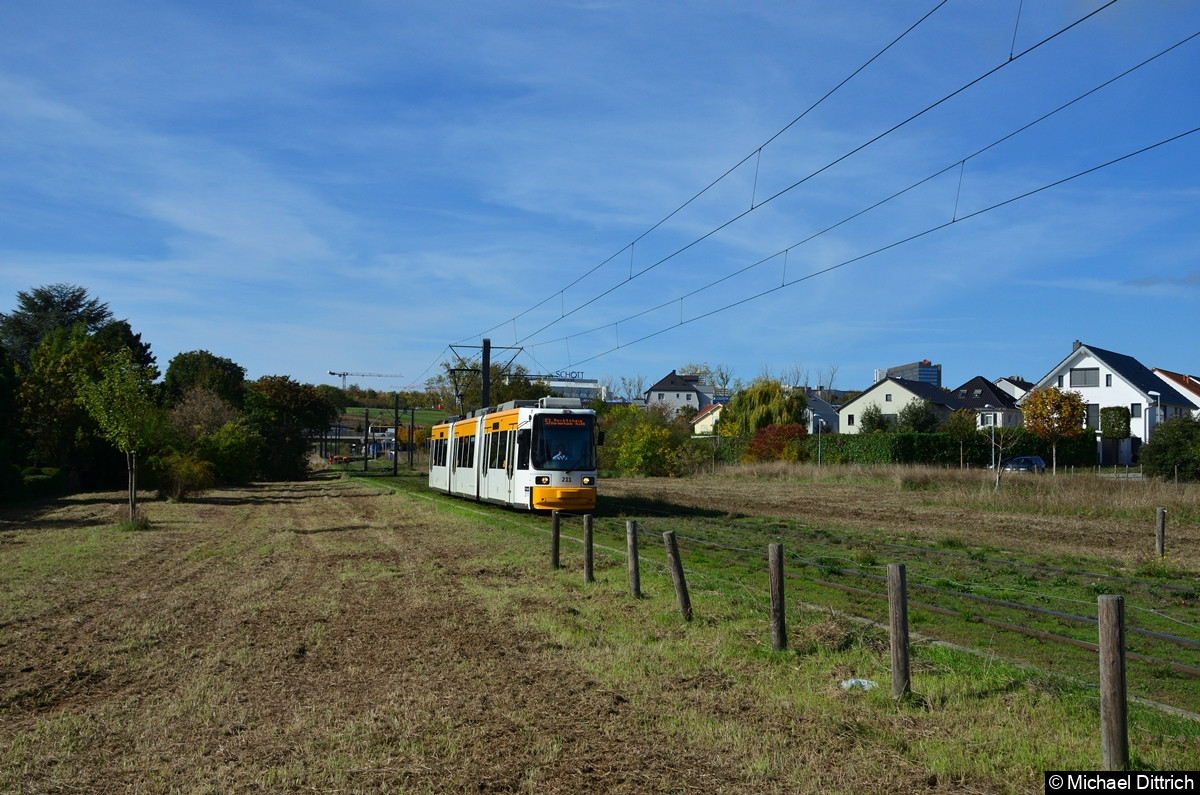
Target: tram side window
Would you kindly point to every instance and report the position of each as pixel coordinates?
(439, 452)
(499, 444)
(523, 448)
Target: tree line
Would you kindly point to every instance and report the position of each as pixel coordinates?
(82, 407)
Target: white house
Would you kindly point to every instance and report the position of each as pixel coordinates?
(1104, 378)
(891, 395)
(681, 391)
(1186, 385)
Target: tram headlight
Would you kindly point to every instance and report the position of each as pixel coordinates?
(542, 480)
(588, 480)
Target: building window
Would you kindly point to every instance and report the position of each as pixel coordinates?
(1135, 410)
(849, 419)
(689, 396)
(1108, 379)
(1093, 415)
(1060, 382)
(1085, 376)
(887, 398)
(661, 396)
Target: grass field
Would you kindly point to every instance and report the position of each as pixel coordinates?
(351, 634)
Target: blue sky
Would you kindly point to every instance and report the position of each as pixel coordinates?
(314, 186)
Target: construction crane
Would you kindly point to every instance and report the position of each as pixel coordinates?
(345, 373)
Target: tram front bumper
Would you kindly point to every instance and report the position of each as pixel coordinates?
(552, 498)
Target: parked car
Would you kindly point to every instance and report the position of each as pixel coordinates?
(1025, 463)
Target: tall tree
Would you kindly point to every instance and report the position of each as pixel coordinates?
(120, 402)
(10, 441)
(41, 311)
(286, 414)
(117, 334)
(201, 369)
(765, 402)
(59, 430)
(1052, 415)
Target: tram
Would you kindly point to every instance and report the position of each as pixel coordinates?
(527, 454)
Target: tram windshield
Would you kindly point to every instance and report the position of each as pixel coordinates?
(564, 441)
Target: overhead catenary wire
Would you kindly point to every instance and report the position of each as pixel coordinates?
(757, 206)
(757, 152)
(960, 164)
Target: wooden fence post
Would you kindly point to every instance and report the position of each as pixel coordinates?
(588, 558)
(554, 539)
(778, 621)
(631, 550)
(1160, 533)
(1114, 736)
(898, 620)
(676, 566)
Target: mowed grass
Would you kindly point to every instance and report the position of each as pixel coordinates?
(335, 636)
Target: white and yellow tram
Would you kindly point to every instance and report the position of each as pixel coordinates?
(529, 454)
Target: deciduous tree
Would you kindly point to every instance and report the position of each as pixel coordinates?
(286, 413)
(962, 425)
(59, 431)
(764, 402)
(1052, 415)
(119, 401)
(192, 369)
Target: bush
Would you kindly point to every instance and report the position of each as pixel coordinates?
(181, 475)
(1173, 450)
(43, 482)
(646, 451)
(235, 452)
(778, 443)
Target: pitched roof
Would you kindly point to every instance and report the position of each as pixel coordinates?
(712, 408)
(1019, 382)
(677, 382)
(979, 393)
(934, 394)
(1134, 373)
(1189, 384)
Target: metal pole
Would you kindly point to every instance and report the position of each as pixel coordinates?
(396, 438)
(487, 374)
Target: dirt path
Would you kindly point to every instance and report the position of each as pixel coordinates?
(309, 637)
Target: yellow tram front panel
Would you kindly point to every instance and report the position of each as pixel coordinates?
(559, 498)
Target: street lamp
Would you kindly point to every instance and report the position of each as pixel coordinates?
(820, 423)
(992, 408)
(1156, 397)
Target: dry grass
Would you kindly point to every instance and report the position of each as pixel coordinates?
(330, 636)
(1059, 515)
